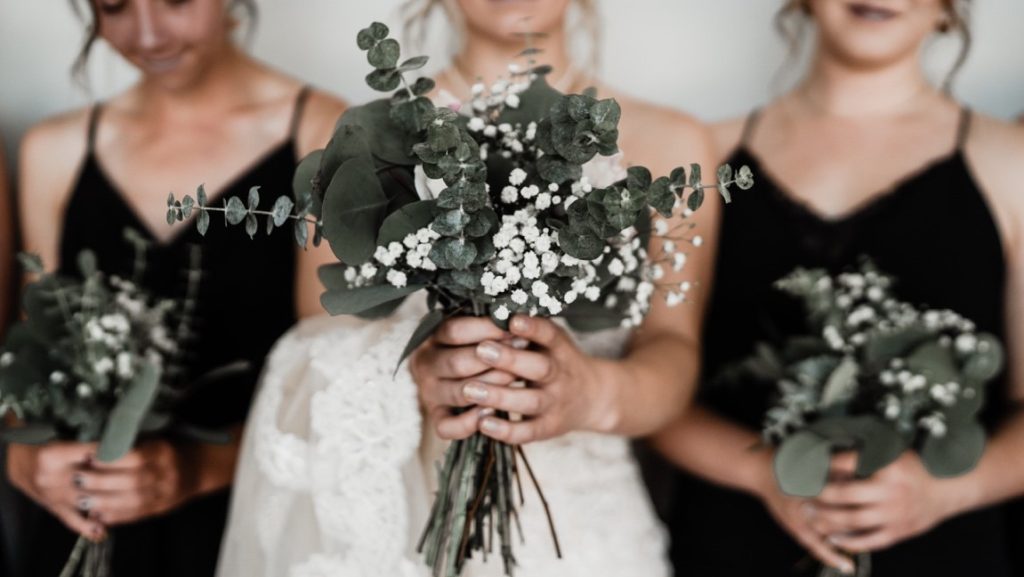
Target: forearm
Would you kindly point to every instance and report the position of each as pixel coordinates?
(650, 387)
(999, 475)
(212, 466)
(713, 448)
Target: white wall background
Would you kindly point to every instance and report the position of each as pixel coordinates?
(714, 58)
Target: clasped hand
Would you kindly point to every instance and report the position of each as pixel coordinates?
(467, 374)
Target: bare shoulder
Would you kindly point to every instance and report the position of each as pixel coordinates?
(995, 150)
(51, 153)
(321, 114)
(727, 135)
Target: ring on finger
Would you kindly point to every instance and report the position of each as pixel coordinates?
(84, 505)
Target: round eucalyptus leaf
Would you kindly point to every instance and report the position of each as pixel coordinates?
(987, 361)
(955, 453)
(354, 206)
(802, 463)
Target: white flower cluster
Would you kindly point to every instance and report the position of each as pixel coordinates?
(398, 260)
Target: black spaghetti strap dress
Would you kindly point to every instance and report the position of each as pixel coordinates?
(936, 234)
(245, 303)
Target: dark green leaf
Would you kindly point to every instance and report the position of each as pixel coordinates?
(354, 207)
(301, 231)
(414, 63)
(378, 30)
(365, 39)
(384, 54)
(201, 195)
(87, 263)
(386, 139)
(695, 177)
(802, 463)
(254, 198)
(30, 262)
(580, 242)
(30, 434)
(695, 200)
(586, 316)
(841, 384)
(384, 80)
(678, 177)
(358, 300)
(422, 86)
(956, 453)
(987, 361)
(405, 221)
(125, 419)
(186, 206)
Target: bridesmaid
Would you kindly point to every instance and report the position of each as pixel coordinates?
(202, 111)
(864, 157)
(464, 365)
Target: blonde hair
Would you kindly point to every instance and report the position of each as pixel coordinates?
(792, 19)
(416, 15)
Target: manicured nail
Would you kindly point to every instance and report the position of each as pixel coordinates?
(846, 567)
(474, 392)
(494, 426)
(488, 352)
(520, 344)
(486, 412)
(521, 324)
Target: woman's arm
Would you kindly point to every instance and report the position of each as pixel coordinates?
(7, 271)
(322, 112)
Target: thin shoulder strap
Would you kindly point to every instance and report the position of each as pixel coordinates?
(963, 129)
(297, 110)
(94, 121)
(749, 126)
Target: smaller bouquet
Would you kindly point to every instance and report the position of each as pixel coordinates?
(876, 376)
(96, 360)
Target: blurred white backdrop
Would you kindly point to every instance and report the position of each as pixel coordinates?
(714, 58)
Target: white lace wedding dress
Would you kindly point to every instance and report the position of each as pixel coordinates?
(336, 472)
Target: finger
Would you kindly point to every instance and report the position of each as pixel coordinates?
(456, 363)
(834, 521)
(864, 543)
(133, 460)
(79, 524)
(463, 331)
(541, 331)
(112, 480)
(517, 433)
(496, 378)
(529, 402)
(528, 365)
(823, 552)
(844, 466)
(114, 508)
(445, 394)
(850, 494)
(64, 456)
(456, 427)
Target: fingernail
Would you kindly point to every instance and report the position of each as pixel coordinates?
(809, 510)
(486, 412)
(488, 352)
(474, 393)
(846, 567)
(520, 343)
(490, 425)
(520, 323)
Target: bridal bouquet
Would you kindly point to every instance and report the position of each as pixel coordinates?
(486, 209)
(876, 376)
(93, 361)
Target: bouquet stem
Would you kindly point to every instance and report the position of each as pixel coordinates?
(475, 500)
(89, 559)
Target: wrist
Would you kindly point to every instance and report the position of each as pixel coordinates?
(759, 480)
(604, 406)
(960, 494)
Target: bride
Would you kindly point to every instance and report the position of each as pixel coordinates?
(336, 471)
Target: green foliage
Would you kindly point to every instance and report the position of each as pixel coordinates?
(356, 301)
(353, 210)
(126, 418)
(801, 464)
(424, 330)
(956, 453)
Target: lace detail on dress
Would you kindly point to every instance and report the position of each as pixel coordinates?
(336, 476)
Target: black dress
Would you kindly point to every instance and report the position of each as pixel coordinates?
(936, 234)
(246, 302)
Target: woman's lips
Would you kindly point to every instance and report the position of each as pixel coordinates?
(871, 12)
